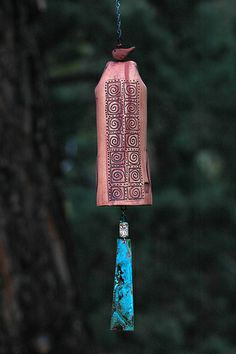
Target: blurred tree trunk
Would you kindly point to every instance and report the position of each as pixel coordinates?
(39, 300)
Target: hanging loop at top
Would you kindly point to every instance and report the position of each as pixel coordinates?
(120, 52)
(118, 23)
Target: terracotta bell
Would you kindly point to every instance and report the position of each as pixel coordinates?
(123, 173)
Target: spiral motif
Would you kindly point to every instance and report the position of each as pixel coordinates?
(117, 157)
(131, 124)
(134, 158)
(135, 193)
(113, 89)
(124, 180)
(131, 108)
(132, 140)
(115, 124)
(130, 90)
(134, 175)
(114, 107)
(114, 140)
(117, 175)
(117, 193)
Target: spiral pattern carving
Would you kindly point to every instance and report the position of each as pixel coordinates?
(132, 123)
(134, 175)
(135, 193)
(132, 140)
(130, 90)
(114, 140)
(114, 89)
(133, 158)
(130, 107)
(117, 193)
(114, 107)
(115, 123)
(117, 157)
(117, 175)
(125, 181)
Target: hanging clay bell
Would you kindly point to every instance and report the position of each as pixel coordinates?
(123, 175)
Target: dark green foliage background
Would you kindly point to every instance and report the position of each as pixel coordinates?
(185, 245)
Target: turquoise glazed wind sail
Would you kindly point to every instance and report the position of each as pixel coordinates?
(122, 305)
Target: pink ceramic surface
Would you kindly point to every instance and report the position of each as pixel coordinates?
(123, 174)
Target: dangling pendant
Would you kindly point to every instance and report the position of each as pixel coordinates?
(122, 306)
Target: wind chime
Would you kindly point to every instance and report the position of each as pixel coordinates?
(123, 175)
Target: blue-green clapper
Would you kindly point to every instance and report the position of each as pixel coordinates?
(123, 304)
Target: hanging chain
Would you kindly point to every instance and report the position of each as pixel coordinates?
(118, 23)
(123, 209)
(123, 226)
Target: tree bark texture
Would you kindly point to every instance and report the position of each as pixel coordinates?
(39, 298)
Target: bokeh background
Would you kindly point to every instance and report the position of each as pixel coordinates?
(185, 244)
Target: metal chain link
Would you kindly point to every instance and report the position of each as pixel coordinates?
(118, 22)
